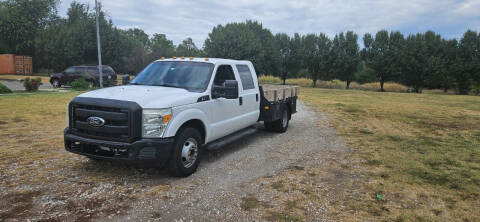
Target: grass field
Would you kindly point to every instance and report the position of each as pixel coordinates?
(420, 159)
(421, 152)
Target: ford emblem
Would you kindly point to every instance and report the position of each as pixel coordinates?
(95, 121)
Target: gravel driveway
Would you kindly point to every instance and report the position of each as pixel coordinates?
(16, 85)
(224, 178)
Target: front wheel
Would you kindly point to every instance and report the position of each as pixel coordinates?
(186, 153)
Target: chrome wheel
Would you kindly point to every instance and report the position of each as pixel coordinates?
(189, 152)
(284, 118)
(55, 84)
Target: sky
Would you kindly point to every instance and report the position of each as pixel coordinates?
(179, 19)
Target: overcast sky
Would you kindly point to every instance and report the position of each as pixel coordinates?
(179, 19)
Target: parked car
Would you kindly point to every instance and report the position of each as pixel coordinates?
(172, 110)
(89, 71)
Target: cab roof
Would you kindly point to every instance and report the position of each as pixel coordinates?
(206, 60)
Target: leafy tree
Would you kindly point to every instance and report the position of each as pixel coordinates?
(383, 54)
(346, 54)
(161, 47)
(285, 47)
(468, 52)
(246, 40)
(188, 48)
(20, 20)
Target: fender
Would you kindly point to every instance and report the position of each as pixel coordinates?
(182, 115)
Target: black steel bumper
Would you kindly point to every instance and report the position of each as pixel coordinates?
(144, 152)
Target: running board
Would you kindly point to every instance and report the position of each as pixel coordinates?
(219, 143)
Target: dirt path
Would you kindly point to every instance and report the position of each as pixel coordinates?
(224, 178)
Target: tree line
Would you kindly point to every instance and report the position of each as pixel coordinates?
(422, 60)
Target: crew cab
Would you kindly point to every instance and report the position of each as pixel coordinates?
(174, 109)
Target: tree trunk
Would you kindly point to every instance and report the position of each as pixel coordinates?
(445, 89)
(381, 85)
(348, 84)
(283, 81)
(314, 83)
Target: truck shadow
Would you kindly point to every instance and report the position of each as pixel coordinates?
(112, 169)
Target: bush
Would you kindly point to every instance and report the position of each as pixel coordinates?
(304, 82)
(4, 89)
(334, 84)
(31, 85)
(81, 84)
(388, 86)
(269, 80)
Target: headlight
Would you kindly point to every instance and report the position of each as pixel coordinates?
(155, 121)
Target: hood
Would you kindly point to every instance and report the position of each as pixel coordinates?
(146, 96)
(58, 74)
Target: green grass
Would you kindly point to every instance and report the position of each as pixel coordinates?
(420, 151)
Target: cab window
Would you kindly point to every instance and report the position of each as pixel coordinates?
(245, 77)
(224, 72)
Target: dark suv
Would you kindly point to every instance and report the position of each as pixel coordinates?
(89, 71)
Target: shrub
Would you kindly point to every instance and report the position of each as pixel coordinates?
(81, 84)
(304, 82)
(31, 85)
(269, 80)
(4, 89)
(334, 84)
(388, 86)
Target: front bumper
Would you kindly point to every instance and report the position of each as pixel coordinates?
(144, 152)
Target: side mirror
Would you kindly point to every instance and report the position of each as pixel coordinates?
(229, 90)
(125, 79)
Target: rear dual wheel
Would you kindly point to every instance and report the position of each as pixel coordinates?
(280, 125)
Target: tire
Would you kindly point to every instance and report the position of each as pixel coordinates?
(55, 83)
(94, 159)
(185, 156)
(280, 125)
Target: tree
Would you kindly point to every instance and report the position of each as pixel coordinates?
(468, 52)
(383, 54)
(247, 41)
(284, 45)
(161, 47)
(346, 54)
(188, 48)
(20, 21)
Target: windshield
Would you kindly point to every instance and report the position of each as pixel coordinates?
(192, 76)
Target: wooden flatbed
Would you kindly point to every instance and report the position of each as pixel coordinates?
(274, 98)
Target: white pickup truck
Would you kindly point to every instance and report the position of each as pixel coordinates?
(173, 110)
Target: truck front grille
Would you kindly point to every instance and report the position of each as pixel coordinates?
(121, 118)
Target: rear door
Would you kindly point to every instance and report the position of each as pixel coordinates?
(79, 72)
(249, 95)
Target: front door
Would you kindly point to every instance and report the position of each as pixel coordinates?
(225, 114)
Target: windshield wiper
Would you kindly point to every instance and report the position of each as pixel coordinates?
(134, 83)
(169, 85)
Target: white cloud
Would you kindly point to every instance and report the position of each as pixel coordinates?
(189, 18)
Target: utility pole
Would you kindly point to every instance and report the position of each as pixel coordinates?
(98, 47)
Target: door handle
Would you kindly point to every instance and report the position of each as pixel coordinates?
(256, 97)
(240, 100)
